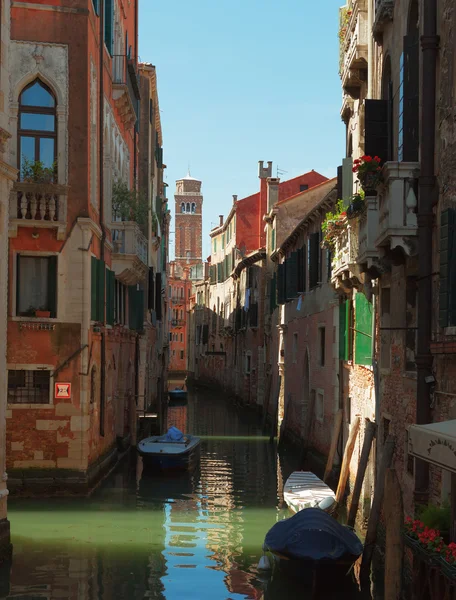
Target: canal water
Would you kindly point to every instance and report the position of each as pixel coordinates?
(194, 536)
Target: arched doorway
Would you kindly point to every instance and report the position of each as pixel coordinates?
(305, 402)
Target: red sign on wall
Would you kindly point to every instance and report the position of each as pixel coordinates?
(62, 390)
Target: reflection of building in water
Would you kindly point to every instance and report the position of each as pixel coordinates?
(177, 417)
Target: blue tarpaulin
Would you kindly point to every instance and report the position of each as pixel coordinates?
(174, 435)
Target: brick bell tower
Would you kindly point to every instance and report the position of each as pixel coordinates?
(189, 222)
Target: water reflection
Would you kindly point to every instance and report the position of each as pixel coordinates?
(192, 536)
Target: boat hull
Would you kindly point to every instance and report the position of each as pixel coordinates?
(177, 398)
(303, 568)
(171, 462)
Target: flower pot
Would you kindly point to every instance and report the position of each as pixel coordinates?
(43, 314)
(369, 182)
(425, 555)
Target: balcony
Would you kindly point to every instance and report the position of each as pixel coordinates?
(368, 232)
(38, 205)
(125, 86)
(345, 271)
(384, 11)
(353, 34)
(177, 300)
(397, 227)
(177, 322)
(129, 257)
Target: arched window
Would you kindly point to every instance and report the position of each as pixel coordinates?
(188, 207)
(193, 207)
(37, 128)
(183, 207)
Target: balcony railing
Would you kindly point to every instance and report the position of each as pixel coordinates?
(39, 205)
(353, 46)
(126, 87)
(177, 322)
(368, 232)
(177, 299)
(384, 10)
(344, 267)
(130, 252)
(397, 206)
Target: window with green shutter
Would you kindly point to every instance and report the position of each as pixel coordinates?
(135, 308)
(281, 281)
(447, 291)
(291, 277)
(273, 294)
(97, 289)
(223, 241)
(363, 330)
(273, 239)
(109, 25)
(110, 292)
(302, 270)
(345, 330)
(314, 259)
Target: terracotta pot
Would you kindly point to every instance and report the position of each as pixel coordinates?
(43, 314)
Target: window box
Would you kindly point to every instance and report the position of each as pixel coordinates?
(43, 314)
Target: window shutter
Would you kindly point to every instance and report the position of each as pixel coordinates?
(291, 277)
(158, 296)
(376, 129)
(273, 294)
(390, 117)
(205, 334)
(140, 298)
(151, 290)
(363, 330)
(110, 285)
(18, 282)
(447, 291)
(95, 6)
(339, 182)
(344, 329)
(411, 97)
(52, 285)
(109, 25)
(94, 290)
(281, 280)
(314, 258)
(347, 178)
(101, 284)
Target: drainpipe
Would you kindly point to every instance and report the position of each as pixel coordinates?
(427, 181)
(101, 211)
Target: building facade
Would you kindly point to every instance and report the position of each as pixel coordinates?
(8, 174)
(80, 230)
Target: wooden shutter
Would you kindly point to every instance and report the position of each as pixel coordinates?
(109, 25)
(291, 277)
(363, 330)
(151, 290)
(347, 178)
(158, 296)
(339, 181)
(205, 334)
(281, 281)
(132, 306)
(101, 285)
(411, 97)
(376, 129)
(140, 305)
(344, 330)
(110, 291)
(253, 315)
(94, 288)
(314, 259)
(447, 290)
(52, 286)
(273, 294)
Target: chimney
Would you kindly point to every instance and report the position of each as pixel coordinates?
(273, 192)
(234, 198)
(264, 172)
(221, 220)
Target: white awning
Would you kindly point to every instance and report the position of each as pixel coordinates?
(435, 443)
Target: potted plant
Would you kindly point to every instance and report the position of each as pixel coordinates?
(129, 205)
(37, 172)
(368, 170)
(332, 225)
(356, 206)
(42, 313)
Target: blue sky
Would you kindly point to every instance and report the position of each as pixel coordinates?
(243, 81)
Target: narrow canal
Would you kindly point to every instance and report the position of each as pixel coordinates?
(195, 536)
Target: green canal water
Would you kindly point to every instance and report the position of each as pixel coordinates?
(191, 537)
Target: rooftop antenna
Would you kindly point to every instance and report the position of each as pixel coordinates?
(280, 172)
(189, 175)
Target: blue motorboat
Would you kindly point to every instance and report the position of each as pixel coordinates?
(174, 450)
(310, 538)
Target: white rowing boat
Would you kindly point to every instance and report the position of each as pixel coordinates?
(303, 489)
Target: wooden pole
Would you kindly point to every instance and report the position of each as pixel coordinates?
(374, 518)
(335, 439)
(369, 434)
(348, 453)
(394, 511)
(274, 425)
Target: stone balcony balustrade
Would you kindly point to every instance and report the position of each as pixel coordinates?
(130, 250)
(38, 205)
(345, 271)
(125, 88)
(397, 205)
(354, 46)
